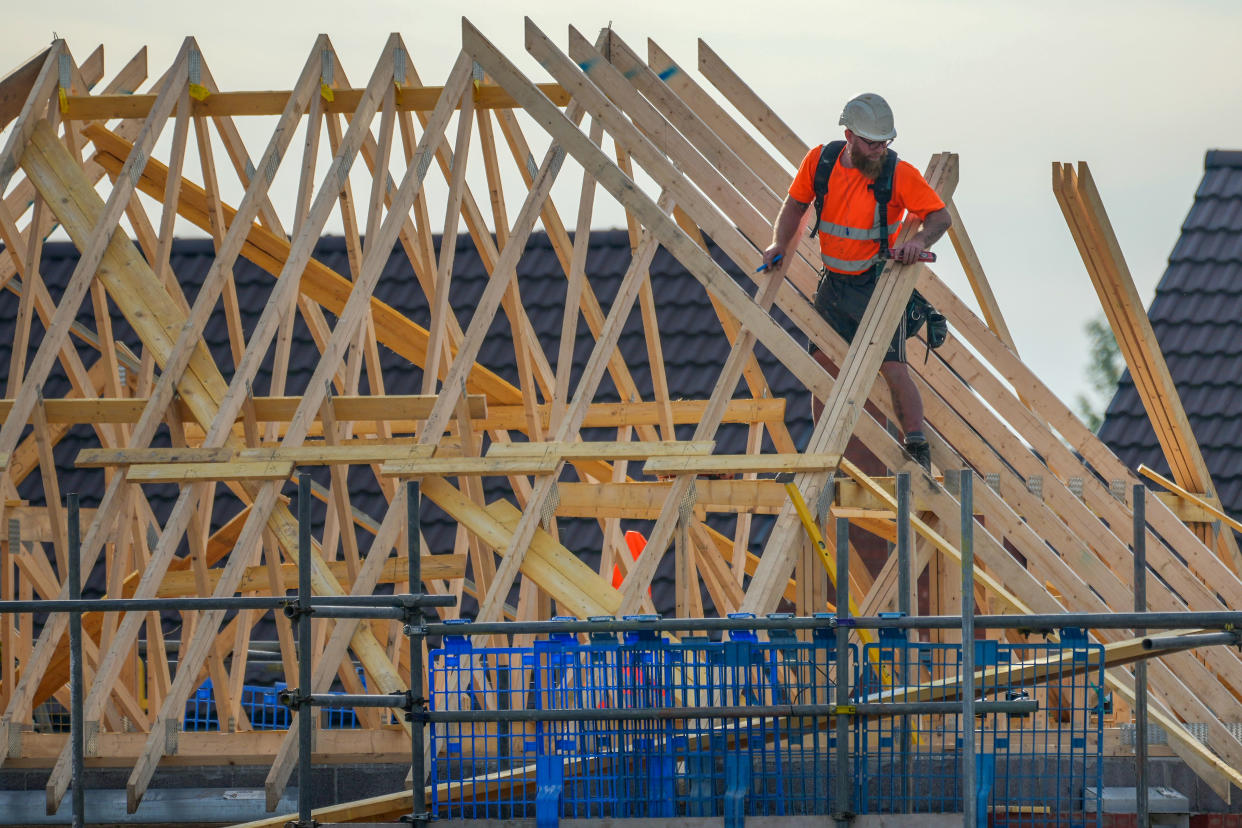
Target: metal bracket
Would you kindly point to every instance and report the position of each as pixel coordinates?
(686, 508)
(294, 611)
(415, 627)
(823, 503)
(13, 743)
(195, 71)
(550, 504)
(1117, 488)
(398, 65)
(291, 698)
(90, 737)
(329, 66)
(415, 707)
(172, 729)
(64, 66)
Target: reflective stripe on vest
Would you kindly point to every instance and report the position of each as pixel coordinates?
(843, 231)
(853, 233)
(848, 265)
(848, 233)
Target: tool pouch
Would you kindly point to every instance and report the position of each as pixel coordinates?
(920, 311)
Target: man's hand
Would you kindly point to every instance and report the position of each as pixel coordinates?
(935, 224)
(909, 252)
(788, 220)
(771, 256)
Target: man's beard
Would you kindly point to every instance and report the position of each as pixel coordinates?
(869, 167)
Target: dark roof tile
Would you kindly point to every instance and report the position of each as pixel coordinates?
(1197, 318)
(694, 351)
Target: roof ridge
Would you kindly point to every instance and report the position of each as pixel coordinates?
(1222, 158)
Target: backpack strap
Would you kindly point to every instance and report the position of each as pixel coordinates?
(823, 171)
(882, 187)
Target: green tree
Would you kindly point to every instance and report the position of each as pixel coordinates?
(1104, 368)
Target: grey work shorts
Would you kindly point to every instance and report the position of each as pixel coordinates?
(841, 300)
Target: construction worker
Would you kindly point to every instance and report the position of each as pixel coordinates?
(852, 243)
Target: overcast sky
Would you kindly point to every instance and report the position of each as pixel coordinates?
(1139, 90)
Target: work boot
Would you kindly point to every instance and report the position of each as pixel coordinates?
(920, 452)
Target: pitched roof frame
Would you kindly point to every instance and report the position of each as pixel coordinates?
(712, 178)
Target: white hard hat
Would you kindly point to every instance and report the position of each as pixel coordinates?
(870, 117)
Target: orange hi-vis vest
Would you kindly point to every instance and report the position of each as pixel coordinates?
(850, 226)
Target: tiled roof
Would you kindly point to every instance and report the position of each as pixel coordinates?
(1197, 318)
(694, 351)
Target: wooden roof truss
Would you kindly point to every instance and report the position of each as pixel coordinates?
(86, 162)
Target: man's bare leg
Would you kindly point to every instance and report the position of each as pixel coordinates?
(907, 402)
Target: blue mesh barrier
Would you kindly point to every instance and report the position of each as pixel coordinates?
(1031, 768)
(608, 767)
(262, 707)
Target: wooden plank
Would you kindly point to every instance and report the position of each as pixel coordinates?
(25, 308)
(99, 458)
(280, 409)
(1211, 509)
(254, 747)
(438, 299)
(255, 578)
(643, 500)
(588, 383)
(735, 90)
(35, 99)
(353, 454)
(979, 283)
(559, 571)
(617, 415)
(739, 139)
(249, 103)
(16, 86)
(742, 463)
(1143, 354)
(199, 472)
(469, 466)
(481, 234)
(636, 450)
(576, 275)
